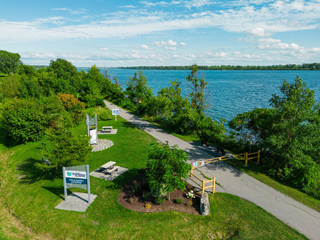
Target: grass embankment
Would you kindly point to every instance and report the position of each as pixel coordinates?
(31, 197)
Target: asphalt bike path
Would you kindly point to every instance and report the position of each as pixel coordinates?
(233, 181)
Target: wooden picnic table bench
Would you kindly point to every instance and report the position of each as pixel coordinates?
(109, 167)
(107, 127)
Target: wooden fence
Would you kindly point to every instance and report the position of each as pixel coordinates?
(242, 156)
(202, 183)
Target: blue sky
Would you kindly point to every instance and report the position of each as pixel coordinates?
(154, 33)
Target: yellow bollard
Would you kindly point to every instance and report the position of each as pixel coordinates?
(203, 185)
(246, 160)
(191, 172)
(214, 185)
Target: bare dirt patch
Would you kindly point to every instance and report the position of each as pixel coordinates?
(136, 200)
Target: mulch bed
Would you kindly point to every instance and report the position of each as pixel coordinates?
(136, 202)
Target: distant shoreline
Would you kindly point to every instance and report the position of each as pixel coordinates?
(289, 67)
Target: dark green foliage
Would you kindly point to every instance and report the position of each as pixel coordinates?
(135, 188)
(67, 148)
(138, 92)
(146, 196)
(178, 201)
(288, 134)
(24, 120)
(170, 104)
(9, 62)
(166, 168)
(9, 88)
(159, 200)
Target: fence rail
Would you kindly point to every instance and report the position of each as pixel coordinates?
(203, 182)
(246, 156)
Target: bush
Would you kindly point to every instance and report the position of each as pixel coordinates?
(160, 200)
(178, 201)
(66, 148)
(135, 188)
(24, 120)
(73, 106)
(147, 206)
(146, 196)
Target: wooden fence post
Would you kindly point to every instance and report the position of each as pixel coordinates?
(214, 185)
(246, 160)
(191, 172)
(258, 157)
(203, 185)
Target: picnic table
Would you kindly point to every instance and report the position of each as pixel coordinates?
(107, 128)
(109, 167)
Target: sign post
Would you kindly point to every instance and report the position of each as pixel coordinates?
(76, 176)
(115, 112)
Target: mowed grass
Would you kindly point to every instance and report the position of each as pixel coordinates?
(31, 197)
(255, 171)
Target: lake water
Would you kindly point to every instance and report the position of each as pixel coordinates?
(230, 92)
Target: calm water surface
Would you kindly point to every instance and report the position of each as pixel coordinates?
(230, 92)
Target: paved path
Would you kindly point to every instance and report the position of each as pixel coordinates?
(295, 214)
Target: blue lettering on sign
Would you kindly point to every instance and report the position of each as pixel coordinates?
(76, 181)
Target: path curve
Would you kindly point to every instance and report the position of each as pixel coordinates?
(233, 181)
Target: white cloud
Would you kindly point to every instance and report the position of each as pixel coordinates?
(128, 6)
(277, 44)
(74, 12)
(268, 40)
(182, 44)
(171, 48)
(163, 43)
(258, 32)
(135, 51)
(143, 46)
(197, 3)
(104, 49)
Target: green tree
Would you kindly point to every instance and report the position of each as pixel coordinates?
(203, 126)
(176, 108)
(73, 106)
(288, 134)
(166, 168)
(138, 90)
(197, 95)
(66, 148)
(9, 62)
(24, 120)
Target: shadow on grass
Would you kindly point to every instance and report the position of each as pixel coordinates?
(31, 173)
(59, 191)
(6, 140)
(119, 181)
(128, 125)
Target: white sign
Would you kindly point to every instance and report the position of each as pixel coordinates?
(76, 174)
(115, 111)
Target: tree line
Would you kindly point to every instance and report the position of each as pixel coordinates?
(47, 101)
(304, 66)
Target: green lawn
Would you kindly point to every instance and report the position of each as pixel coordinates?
(31, 197)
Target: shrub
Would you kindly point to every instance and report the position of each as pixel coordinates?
(24, 120)
(189, 203)
(160, 200)
(178, 201)
(73, 106)
(131, 200)
(147, 206)
(135, 188)
(146, 196)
